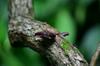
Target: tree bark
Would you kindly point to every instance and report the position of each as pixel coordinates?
(22, 30)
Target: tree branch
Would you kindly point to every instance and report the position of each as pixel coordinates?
(95, 56)
(22, 30)
(20, 8)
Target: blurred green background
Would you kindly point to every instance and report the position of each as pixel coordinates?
(81, 18)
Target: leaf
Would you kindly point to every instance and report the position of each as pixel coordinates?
(90, 41)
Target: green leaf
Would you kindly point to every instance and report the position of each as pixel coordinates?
(90, 41)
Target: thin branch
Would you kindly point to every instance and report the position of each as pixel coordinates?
(95, 56)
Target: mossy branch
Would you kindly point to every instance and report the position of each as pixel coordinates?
(22, 30)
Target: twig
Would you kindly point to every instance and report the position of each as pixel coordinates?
(95, 56)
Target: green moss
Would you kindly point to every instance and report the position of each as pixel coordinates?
(65, 45)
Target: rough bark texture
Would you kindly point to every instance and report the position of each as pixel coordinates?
(22, 29)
